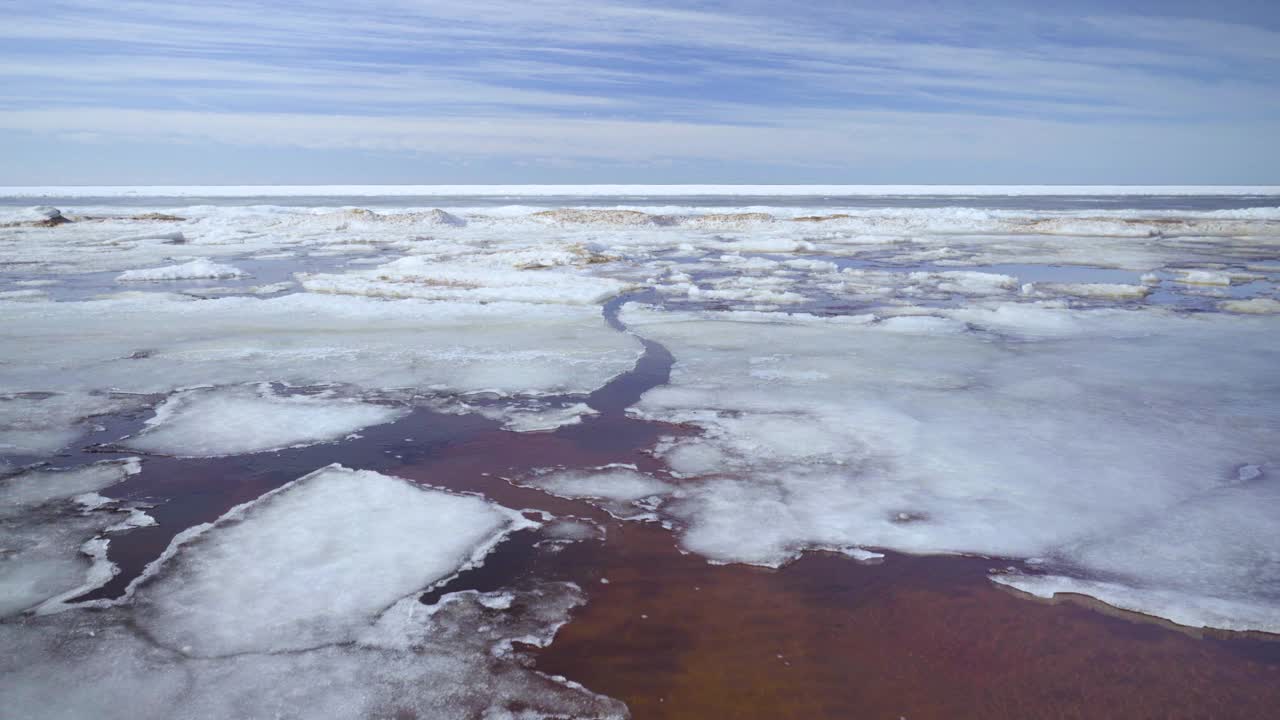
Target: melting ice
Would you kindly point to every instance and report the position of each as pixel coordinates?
(1089, 394)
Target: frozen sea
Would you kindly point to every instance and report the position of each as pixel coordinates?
(420, 451)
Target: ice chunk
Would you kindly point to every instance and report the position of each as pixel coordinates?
(968, 282)
(238, 420)
(474, 279)
(539, 419)
(1204, 277)
(197, 269)
(1253, 306)
(312, 563)
(1106, 291)
(616, 488)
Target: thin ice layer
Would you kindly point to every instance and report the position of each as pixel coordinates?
(41, 423)
(156, 344)
(312, 563)
(49, 543)
(36, 487)
(1012, 430)
(213, 422)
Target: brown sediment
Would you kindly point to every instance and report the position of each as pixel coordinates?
(158, 217)
(820, 218)
(728, 218)
(576, 216)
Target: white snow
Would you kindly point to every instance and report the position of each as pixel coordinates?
(197, 269)
(239, 420)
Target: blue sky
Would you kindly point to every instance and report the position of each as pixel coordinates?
(513, 91)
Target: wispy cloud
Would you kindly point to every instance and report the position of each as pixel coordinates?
(617, 81)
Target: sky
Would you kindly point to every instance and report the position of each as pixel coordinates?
(126, 92)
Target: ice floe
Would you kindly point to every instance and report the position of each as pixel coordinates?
(336, 548)
(1254, 306)
(211, 422)
(479, 279)
(198, 269)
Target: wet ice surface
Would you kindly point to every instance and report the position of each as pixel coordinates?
(52, 530)
(1083, 387)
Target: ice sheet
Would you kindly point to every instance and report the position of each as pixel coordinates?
(151, 344)
(1025, 431)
